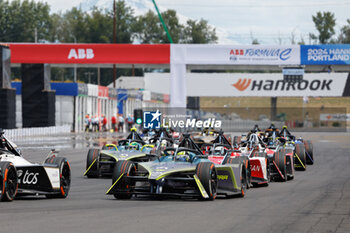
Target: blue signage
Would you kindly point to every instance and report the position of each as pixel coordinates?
(337, 54)
(122, 95)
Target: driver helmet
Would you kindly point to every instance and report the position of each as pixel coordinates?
(182, 156)
(133, 146)
(219, 149)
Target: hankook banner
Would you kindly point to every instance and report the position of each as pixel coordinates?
(257, 84)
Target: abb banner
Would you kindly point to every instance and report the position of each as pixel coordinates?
(90, 53)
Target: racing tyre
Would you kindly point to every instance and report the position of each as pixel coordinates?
(309, 150)
(207, 175)
(300, 158)
(244, 182)
(127, 168)
(249, 175)
(92, 166)
(8, 181)
(280, 160)
(65, 176)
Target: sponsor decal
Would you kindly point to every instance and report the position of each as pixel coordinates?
(261, 53)
(28, 178)
(222, 177)
(255, 168)
(242, 85)
(102, 91)
(325, 54)
(161, 169)
(334, 117)
(81, 54)
(281, 85)
(19, 173)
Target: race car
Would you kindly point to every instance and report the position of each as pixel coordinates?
(19, 177)
(266, 163)
(208, 135)
(303, 149)
(180, 172)
(101, 162)
(218, 150)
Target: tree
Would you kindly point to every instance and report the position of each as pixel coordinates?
(199, 32)
(174, 27)
(20, 19)
(324, 23)
(125, 21)
(344, 37)
(149, 29)
(100, 27)
(254, 40)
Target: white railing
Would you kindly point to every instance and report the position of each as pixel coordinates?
(37, 131)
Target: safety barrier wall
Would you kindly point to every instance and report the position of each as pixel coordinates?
(38, 131)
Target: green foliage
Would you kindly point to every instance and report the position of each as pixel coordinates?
(125, 21)
(344, 37)
(324, 23)
(20, 19)
(255, 41)
(199, 32)
(149, 28)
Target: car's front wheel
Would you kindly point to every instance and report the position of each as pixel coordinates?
(8, 182)
(207, 175)
(65, 176)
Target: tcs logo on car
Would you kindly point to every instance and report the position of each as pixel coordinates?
(28, 178)
(81, 54)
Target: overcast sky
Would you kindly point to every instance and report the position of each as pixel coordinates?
(239, 20)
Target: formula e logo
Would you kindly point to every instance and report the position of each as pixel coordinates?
(28, 178)
(151, 120)
(81, 54)
(242, 85)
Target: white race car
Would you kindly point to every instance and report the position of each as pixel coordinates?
(20, 177)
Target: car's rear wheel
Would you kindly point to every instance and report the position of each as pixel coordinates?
(309, 150)
(300, 158)
(8, 182)
(280, 160)
(207, 175)
(244, 182)
(123, 186)
(65, 176)
(92, 163)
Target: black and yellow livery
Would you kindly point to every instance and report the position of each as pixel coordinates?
(102, 162)
(181, 172)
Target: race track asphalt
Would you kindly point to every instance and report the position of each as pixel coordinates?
(317, 200)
